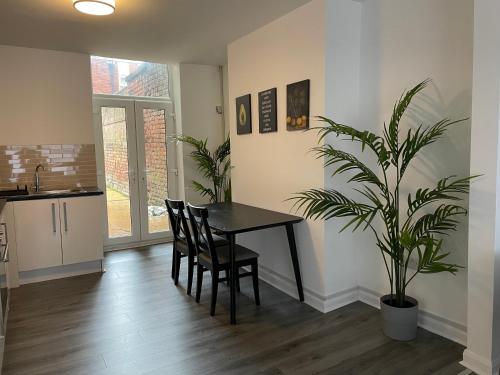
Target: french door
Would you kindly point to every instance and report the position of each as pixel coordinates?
(136, 167)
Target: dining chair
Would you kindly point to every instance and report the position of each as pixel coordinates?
(183, 245)
(216, 258)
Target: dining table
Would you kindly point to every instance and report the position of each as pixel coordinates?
(230, 219)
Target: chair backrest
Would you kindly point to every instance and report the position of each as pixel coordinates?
(178, 222)
(201, 232)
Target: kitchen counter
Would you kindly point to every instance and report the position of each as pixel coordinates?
(52, 194)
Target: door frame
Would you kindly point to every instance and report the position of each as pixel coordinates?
(137, 219)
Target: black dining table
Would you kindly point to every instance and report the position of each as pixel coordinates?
(231, 219)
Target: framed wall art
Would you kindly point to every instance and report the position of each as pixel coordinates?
(297, 105)
(243, 115)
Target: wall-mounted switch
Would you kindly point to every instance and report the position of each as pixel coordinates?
(218, 109)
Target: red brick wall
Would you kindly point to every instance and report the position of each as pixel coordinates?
(156, 156)
(104, 76)
(115, 149)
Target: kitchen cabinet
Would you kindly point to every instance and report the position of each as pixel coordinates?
(55, 232)
(81, 229)
(38, 234)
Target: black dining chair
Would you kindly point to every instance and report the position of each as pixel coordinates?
(216, 258)
(184, 244)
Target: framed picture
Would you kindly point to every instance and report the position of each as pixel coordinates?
(297, 105)
(243, 115)
(268, 121)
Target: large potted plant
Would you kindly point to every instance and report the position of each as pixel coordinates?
(213, 166)
(412, 234)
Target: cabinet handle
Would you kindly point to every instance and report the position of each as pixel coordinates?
(65, 218)
(5, 257)
(54, 217)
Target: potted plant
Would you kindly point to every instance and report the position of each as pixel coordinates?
(212, 166)
(409, 234)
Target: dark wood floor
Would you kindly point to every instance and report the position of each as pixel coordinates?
(133, 320)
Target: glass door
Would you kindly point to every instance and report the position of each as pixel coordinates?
(154, 159)
(117, 168)
(133, 167)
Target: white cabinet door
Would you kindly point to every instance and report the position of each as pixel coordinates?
(81, 228)
(38, 234)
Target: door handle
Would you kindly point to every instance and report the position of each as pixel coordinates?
(65, 217)
(54, 217)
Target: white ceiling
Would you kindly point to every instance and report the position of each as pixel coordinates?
(195, 31)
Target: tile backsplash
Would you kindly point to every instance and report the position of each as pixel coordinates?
(66, 166)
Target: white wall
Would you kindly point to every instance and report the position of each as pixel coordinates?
(483, 316)
(403, 43)
(200, 94)
(269, 168)
(45, 97)
(342, 102)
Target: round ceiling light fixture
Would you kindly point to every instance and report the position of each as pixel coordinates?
(95, 7)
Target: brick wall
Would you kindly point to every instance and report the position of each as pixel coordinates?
(115, 149)
(104, 76)
(156, 156)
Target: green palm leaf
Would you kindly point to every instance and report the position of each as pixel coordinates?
(366, 138)
(348, 162)
(420, 138)
(442, 220)
(325, 204)
(446, 189)
(391, 134)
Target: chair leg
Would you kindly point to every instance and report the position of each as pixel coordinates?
(174, 252)
(255, 279)
(238, 279)
(190, 273)
(199, 281)
(215, 287)
(177, 267)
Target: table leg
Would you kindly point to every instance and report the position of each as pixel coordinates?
(232, 272)
(295, 260)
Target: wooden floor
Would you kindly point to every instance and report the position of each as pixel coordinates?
(133, 320)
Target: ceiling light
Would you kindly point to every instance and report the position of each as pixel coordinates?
(95, 7)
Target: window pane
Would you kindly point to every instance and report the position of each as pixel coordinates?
(155, 147)
(114, 131)
(130, 78)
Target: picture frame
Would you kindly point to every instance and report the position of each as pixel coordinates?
(297, 105)
(244, 114)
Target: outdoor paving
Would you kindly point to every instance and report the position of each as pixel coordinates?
(119, 216)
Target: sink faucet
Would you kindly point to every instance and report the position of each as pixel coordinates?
(37, 177)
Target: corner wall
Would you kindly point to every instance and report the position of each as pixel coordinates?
(483, 312)
(199, 92)
(269, 168)
(403, 43)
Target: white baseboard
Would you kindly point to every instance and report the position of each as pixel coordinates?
(431, 322)
(479, 364)
(444, 327)
(316, 300)
(52, 273)
(132, 245)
